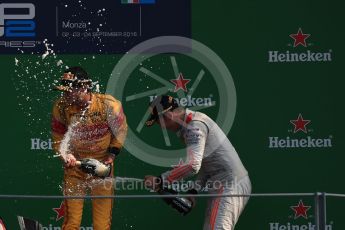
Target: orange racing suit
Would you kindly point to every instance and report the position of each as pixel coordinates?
(88, 134)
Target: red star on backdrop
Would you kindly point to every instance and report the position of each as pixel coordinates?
(300, 124)
(180, 83)
(300, 210)
(299, 38)
(60, 212)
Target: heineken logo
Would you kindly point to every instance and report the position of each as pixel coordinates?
(59, 215)
(180, 83)
(299, 211)
(299, 40)
(308, 142)
(40, 144)
(289, 226)
(53, 227)
(308, 56)
(300, 125)
(189, 101)
(60, 211)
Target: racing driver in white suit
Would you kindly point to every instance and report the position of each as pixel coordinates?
(210, 155)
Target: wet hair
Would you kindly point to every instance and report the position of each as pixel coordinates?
(79, 73)
(81, 78)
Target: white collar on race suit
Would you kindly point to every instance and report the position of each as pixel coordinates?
(188, 117)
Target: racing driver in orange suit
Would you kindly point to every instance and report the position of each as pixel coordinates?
(86, 125)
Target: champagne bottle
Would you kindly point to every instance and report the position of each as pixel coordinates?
(94, 167)
(181, 204)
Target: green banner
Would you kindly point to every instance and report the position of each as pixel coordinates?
(269, 73)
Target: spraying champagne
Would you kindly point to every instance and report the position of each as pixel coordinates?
(94, 167)
(97, 168)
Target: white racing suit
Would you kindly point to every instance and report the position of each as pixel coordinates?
(211, 155)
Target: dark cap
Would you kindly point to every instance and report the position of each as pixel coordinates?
(74, 77)
(159, 106)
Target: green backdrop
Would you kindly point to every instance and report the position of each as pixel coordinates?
(269, 96)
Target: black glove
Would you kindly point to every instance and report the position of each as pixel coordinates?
(192, 199)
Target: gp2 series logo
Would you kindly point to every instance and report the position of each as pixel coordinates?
(16, 20)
